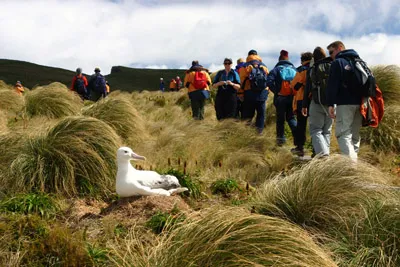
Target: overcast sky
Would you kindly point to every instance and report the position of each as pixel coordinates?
(170, 34)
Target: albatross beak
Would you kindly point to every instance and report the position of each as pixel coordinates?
(136, 156)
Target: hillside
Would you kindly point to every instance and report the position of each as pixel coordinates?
(122, 78)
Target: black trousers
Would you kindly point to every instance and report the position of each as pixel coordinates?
(225, 105)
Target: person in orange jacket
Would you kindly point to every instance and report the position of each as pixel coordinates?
(240, 94)
(79, 84)
(197, 80)
(19, 88)
(172, 85)
(298, 84)
(254, 98)
(107, 87)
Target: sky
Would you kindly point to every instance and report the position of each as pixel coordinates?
(170, 34)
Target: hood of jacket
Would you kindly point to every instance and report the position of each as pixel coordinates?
(347, 53)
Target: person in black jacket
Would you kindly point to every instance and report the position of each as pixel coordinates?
(347, 98)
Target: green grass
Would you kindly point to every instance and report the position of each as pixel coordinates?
(186, 180)
(388, 79)
(225, 187)
(32, 203)
(159, 221)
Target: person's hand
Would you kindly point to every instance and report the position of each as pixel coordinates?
(229, 82)
(304, 111)
(332, 112)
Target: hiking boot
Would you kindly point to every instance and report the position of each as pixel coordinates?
(297, 151)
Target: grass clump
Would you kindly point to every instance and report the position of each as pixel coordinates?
(320, 193)
(120, 114)
(31, 203)
(10, 101)
(225, 187)
(159, 221)
(386, 137)
(54, 102)
(372, 238)
(186, 180)
(232, 237)
(388, 79)
(75, 157)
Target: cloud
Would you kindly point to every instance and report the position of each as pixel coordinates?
(170, 34)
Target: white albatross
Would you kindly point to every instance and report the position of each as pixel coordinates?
(132, 182)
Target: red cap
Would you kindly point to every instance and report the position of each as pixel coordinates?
(284, 53)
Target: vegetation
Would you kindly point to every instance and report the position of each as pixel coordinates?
(58, 205)
(52, 101)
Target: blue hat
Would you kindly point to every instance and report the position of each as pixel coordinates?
(252, 52)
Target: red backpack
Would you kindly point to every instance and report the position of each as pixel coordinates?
(200, 80)
(372, 109)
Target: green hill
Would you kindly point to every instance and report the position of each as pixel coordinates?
(122, 78)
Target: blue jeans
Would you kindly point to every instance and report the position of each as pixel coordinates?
(284, 111)
(250, 107)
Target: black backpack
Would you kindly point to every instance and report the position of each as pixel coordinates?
(79, 86)
(258, 79)
(360, 77)
(99, 84)
(319, 74)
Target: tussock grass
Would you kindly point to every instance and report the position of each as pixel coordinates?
(75, 157)
(121, 115)
(3, 122)
(232, 237)
(10, 101)
(388, 79)
(319, 193)
(386, 137)
(52, 101)
(372, 240)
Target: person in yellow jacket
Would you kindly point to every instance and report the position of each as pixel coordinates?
(197, 80)
(19, 88)
(298, 84)
(255, 94)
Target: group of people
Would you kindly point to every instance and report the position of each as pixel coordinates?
(94, 90)
(319, 90)
(174, 85)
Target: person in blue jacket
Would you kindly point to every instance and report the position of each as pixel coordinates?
(347, 99)
(283, 98)
(228, 83)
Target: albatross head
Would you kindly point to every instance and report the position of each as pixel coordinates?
(125, 153)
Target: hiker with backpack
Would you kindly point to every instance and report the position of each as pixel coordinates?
(162, 86)
(80, 84)
(240, 93)
(278, 82)
(345, 91)
(97, 86)
(315, 103)
(228, 82)
(297, 84)
(197, 80)
(254, 84)
(178, 83)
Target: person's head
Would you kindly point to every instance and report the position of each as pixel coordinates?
(228, 63)
(240, 60)
(195, 63)
(252, 52)
(78, 71)
(177, 77)
(335, 47)
(319, 53)
(161, 79)
(284, 55)
(306, 56)
(97, 70)
(18, 83)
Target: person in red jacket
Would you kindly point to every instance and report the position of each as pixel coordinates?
(79, 84)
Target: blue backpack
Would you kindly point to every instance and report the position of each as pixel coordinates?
(100, 84)
(258, 79)
(79, 86)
